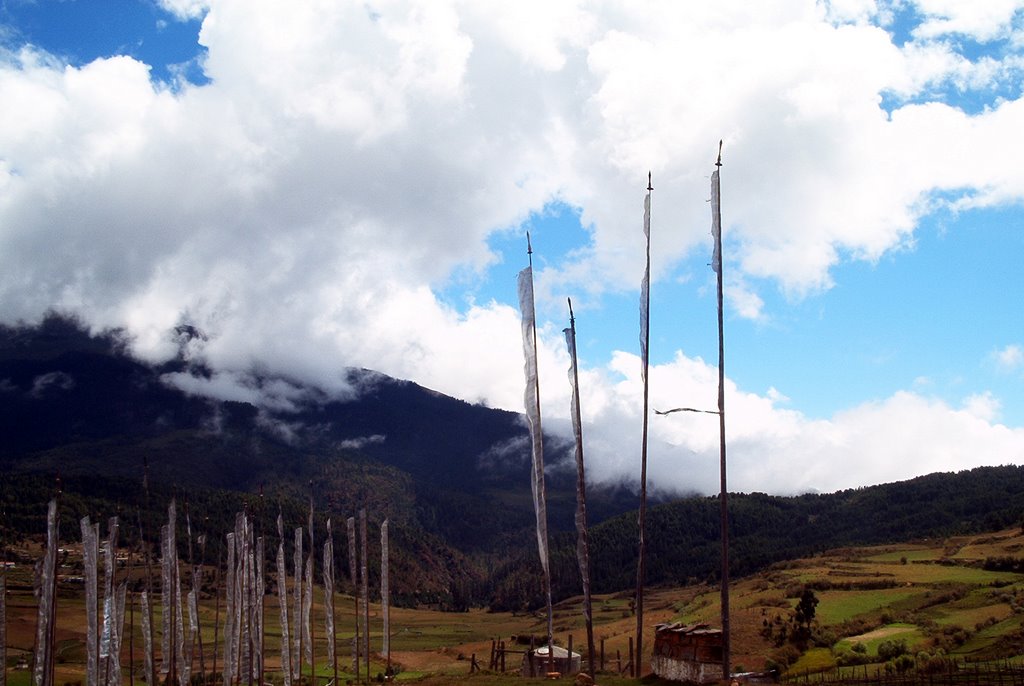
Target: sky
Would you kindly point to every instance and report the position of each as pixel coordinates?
(329, 184)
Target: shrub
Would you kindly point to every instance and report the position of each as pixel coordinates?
(784, 656)
(904, 663)
(891, 649)
(850, 659)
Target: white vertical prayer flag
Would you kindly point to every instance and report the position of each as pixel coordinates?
(90, 560)
(259, 590)
(46, 615)
(307, 611)
(282, 601)
(645, 292)
(350, 528)
(109, 607)
(716, 221)
(531, 401)
(582, 541)
(147, 638)
(365, 590)
(297, 607)
(114, 676)
(329, 593)
(229, 611)
(385, 597)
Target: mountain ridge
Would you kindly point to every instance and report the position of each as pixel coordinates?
(78, 405)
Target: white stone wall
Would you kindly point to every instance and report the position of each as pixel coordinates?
(680, 670)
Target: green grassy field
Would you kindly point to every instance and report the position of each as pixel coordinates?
(934, 596)
(839, 606)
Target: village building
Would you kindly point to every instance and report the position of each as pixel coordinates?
(537, 663)
(690, 653)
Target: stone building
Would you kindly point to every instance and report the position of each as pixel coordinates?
(690, 653)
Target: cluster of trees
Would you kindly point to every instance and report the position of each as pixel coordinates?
(797, 629)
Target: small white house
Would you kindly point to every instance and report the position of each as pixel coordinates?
(536, 662)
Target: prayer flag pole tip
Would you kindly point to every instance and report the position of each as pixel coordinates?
(572, 319)
(649, 186)
(719, 162)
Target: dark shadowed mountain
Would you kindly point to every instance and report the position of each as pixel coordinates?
(454, 473)
(451, 476)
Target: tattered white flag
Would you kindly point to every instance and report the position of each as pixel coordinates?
(90, 560)
(329, 594)
(531, 401)
(716, 221)
(282, 601)
(385, 598)
(645, 291)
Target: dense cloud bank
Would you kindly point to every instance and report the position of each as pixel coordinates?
(347, 161)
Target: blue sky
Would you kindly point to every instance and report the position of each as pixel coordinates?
(79, 31)
(350, 184)
(930, 316)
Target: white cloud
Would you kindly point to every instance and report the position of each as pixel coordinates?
(272, 394)
(984, 406)
(51, 383)
(770, 448)
(1009, 358)
(982, 21)
(745, 301)
(305, 206)
(850, 11)
(361, 442)
(185, 9)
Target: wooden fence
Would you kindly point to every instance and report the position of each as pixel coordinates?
(952, 673)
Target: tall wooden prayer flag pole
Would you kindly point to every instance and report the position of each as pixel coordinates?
(364, 588)
(716, 264)
(282, 601)
(307, 609)
(385, 596)
(353, 574)
(42, 669)
(328, 574)
(531, 399)
(582, 541)
(645, 339)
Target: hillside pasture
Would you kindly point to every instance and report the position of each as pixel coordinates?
(910, 553)
(910, 633)
(835, 607)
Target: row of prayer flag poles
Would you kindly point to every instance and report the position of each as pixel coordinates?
(244, 656)
(533, 416)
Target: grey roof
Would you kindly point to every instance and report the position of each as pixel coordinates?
(681, 628)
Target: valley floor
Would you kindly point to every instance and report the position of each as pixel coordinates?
(912, 606)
